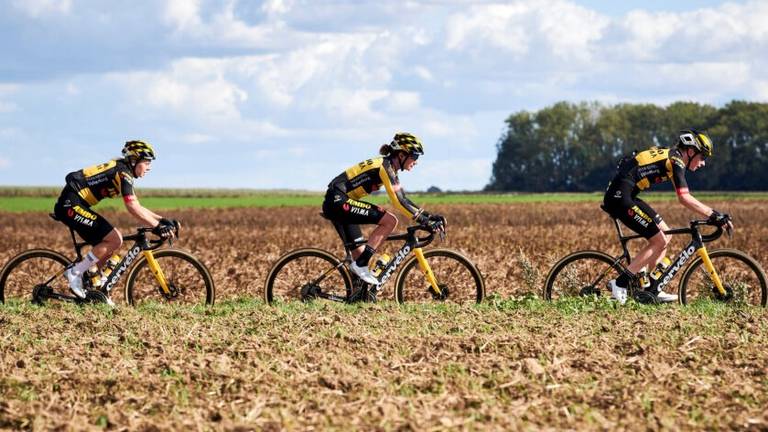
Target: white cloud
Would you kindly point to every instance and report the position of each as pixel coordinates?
(191, 86)
(761, 90)
(4, 163)
(39, 8)
(277, 7)
(182, 14)
(519, 28)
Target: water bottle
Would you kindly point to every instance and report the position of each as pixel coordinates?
(95, 275)
(380, 264)
(642, 279)
(110, 265)
(660, 267)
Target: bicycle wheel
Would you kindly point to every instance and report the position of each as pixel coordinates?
(579, 274)
(303, 274)
(189, 280)
(458, 278)
(31, 268)
(741, 275)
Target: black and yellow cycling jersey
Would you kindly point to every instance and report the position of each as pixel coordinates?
(652, 166)
(637, 173)
(361, 179)
(101, 181)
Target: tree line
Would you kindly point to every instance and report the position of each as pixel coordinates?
(575, 147)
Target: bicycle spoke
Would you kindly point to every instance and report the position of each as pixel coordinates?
(738, 277)
(458, 280)
(580, 274)
(34, 269)
(304, 275)
(188, 284)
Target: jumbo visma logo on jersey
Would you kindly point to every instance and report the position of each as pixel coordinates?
(356, 207)
(81, 215)
(639, 216)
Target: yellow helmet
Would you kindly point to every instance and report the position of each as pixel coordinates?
(137, 150)
(697, 140)
(409, 143)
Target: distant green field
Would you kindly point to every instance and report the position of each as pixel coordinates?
(42, 199)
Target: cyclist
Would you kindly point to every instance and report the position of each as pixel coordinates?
(638, 172)
(87, 187)
(342, 203)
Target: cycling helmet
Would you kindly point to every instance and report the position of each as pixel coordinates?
(137, 150)
(409, 143)
(697, 140)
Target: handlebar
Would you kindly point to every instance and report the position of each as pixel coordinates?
(706, 238)
(157, 242)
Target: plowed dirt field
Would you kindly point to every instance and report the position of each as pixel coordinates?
(513, 363)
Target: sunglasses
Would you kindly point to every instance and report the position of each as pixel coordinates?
(414, 156)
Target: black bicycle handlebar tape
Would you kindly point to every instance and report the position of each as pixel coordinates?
(713, 236)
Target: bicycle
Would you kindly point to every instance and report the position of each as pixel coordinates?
(180, 278)
(722, 275)
(307, 274)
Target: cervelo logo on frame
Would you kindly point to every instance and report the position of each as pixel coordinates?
(115, 276)
(680, 262)
(394, 263)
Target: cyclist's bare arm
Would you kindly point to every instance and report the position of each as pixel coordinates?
(694, 205)
(140, 212)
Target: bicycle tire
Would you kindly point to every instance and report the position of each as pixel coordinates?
(291, 287)
(578, 285)
(141, 284)
(689, 293)
(11, 288)
(469, 289)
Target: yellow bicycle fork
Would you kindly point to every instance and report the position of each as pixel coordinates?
(702, 252)
(430, 275)
(157, 271)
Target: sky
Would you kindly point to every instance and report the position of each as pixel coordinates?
(286, 94)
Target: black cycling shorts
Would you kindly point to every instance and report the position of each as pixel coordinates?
(73, 212)
(350, 213)
(631, 210)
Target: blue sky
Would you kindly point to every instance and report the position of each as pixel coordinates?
(288, 93)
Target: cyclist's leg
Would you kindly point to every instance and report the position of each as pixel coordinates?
(93, 228)
(638, 216)
(386, 225)
(650, 225)
(350, 212)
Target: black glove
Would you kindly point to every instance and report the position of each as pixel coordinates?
(164, 228)
(437, 219)
(717, 218)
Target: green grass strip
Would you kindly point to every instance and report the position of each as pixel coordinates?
(178, 199)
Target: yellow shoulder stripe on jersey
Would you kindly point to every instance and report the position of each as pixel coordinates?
(651, 156)
(117, 182)
(98, 169)
(643, 184)
(88, 196)
(391, 192)
(366, 165)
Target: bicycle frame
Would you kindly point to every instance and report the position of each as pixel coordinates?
(412, 244)
(695, 246)
(141, 245)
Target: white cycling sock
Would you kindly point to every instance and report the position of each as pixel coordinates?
(85, 264)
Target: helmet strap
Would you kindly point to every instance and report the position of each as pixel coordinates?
(690, 158)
